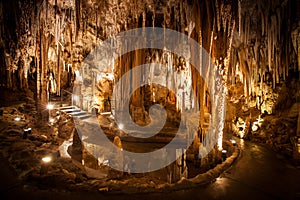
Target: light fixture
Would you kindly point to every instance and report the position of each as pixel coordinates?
(45, 164)
(106, 162)
(254, 127)
(26, 132)
(51, 120)
(110, 76)
(17, 118)
(224, 151)
(50, 106)
(233, 142)
(121, 126)
(47, 159)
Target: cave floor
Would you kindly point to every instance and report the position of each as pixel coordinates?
(258, 173)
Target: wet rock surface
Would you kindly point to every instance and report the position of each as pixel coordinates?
(276, 126)
(26, 154)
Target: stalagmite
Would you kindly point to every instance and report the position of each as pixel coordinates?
(249, 44)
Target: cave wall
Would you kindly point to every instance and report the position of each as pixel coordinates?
(43, 42)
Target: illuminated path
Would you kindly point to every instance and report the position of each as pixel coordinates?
(257, 174)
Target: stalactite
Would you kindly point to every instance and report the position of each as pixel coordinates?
(37, 66)
(77, 17)
(43, 57)
(58, 73)
(232, 66)
(269, 50)
(218, 15)
(263, 23)
(240, 16)
(278, 14)
(208, 19)
(228, 57)
(211, 42)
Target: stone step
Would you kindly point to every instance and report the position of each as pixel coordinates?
(105, 113)
(65, 105)
(63, 108)
(74, 111)
(84, 116)
(78, 113)
(70, 111)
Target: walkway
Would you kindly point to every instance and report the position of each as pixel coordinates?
(258, 173)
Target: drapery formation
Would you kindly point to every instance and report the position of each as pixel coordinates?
(44, 41)
(262, 45)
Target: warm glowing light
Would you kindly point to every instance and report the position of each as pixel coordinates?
(106, 162)
(254, 127)
(224, 151)
(241, 134)
(241, 127)
(18, 118)
(47, 159)
(220, 141)
(121, 126)
(110, 76)
(50, 106)
(233, 142)
(51, 120)
(257, 124)
(28, 130)
(221, 111)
